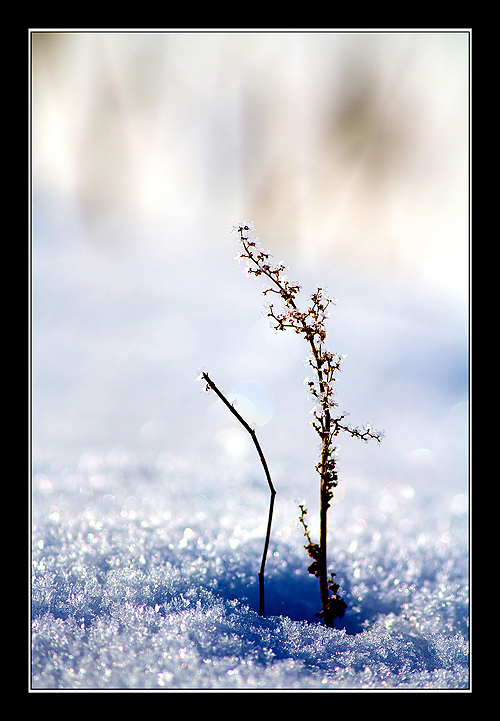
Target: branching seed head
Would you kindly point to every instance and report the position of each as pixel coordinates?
(311, 324)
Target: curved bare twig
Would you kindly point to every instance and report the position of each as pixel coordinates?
(251, 431)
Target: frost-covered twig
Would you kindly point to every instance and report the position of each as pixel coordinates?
(311, 324)
(211, 386)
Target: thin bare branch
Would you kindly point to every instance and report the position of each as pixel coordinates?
(253, 434)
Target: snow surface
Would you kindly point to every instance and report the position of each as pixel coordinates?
(149, 503)
(141, 582)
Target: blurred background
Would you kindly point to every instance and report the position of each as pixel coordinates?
(349, 151)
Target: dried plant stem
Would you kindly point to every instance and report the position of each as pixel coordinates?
(251, 431)
(311, 324)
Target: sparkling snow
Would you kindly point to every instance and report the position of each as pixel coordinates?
(140, 581)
